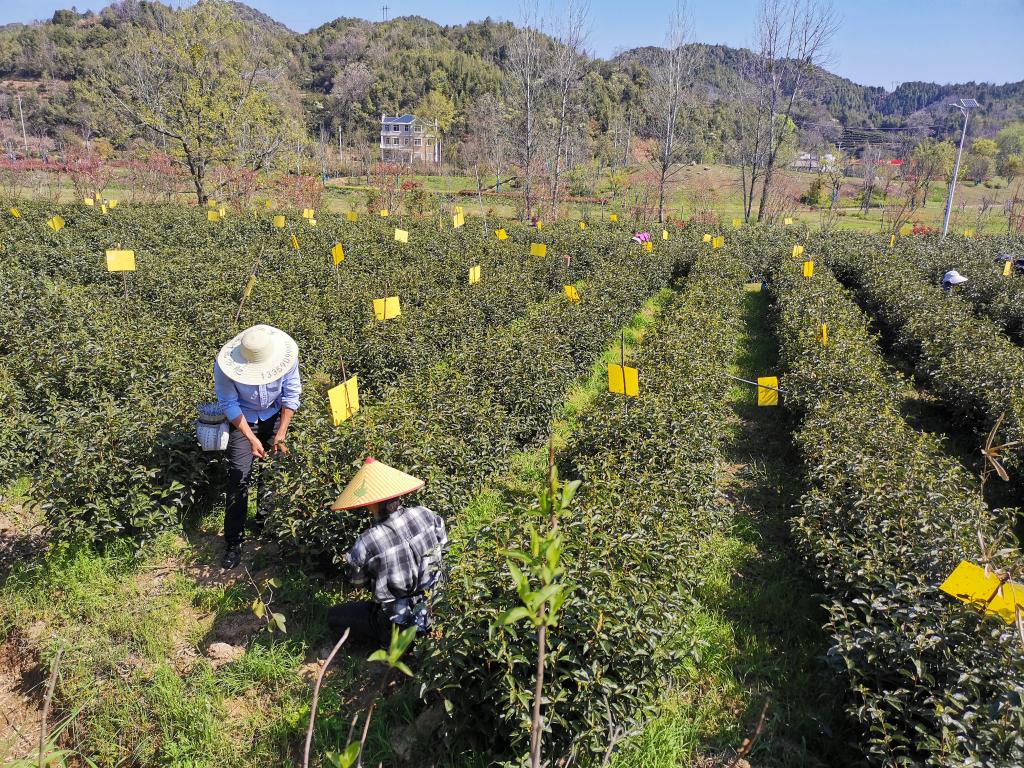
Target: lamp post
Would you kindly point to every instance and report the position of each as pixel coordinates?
(965, 106)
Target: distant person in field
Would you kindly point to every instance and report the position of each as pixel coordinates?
(398, 558)
(951, 279)
(642, 237)
(256, 377)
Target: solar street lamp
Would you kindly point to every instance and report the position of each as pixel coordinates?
(965, 106)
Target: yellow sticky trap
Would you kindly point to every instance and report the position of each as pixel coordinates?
(664, 234)
(1007, 268)
(752, 287)
(402, 235)
(798, 251)
(583, 225)
(458, 220)
(970, 583)
(211, 203)
(266, 204)
(718, 242)
(706, 238)
(737, 223)
(96, 195)
(279, 221)
(384, 213)
(343, 400)
(648, 246)
(307, 213)
(808, 269)
(623, 380)
(111, 203)
(906, 229)
(15, 213)
(459, 211)
(120, 261)
(787, 221)
(540, 225)
(767, 390)
(89, 202)
(295, 242)
(968, 233)
(538, 249)
(56, 223)
(474, 275)
(892, 241)
(213, 215)
(824, 334)
(501, 234)
(572, 294)
(222, 211)
(249, 285)
(338, 253)
(103, 209)
(352, 216)
(613, 217)
(387, 308)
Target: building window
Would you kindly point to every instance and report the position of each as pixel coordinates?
(418, 141)
(407, 129)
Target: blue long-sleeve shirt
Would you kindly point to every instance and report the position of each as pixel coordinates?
(257, 401)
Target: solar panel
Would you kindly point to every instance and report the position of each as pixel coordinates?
(969, 103)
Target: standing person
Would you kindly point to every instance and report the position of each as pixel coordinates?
(952, 278)
(398, 558)
(256, 377)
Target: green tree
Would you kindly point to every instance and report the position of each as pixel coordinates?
(1012, 167)
(984, 148)
(212, 86)
(436, 106)
(1010, 141)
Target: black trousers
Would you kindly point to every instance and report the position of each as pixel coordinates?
(365, 620)
(240, 461)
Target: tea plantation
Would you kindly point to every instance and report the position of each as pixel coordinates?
(741, 582)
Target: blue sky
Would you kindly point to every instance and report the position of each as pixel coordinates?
(880, 42)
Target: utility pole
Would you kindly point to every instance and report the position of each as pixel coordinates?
(384, 12)
(965, 106)
(341, 154)
(24, 135)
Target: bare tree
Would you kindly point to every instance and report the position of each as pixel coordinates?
(791, 40)
(568, 66)
(670, 79)
(525, 84)
(870, 160)
(486, 147)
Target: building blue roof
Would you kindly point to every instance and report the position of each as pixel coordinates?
(403, 119)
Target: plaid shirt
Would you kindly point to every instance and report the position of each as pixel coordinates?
(399, 555)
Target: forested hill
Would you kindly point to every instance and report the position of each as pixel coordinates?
(351, 70)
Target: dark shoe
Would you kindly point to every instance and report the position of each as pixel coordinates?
(232, 557)
(258, 523)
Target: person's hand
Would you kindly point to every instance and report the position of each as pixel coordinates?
(257, 448)
(279, 448)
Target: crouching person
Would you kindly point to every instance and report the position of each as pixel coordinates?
(398, 558)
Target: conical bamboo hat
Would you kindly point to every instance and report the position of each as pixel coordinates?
(373, 483)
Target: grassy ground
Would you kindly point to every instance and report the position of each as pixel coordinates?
(759, 689)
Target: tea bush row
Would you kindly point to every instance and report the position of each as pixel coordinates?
(887, 517)
(648, 470)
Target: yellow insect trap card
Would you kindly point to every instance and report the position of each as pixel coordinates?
(295, 242)
(706, 238)
(89, 202)
(767, 390)
(737, 223)
(970, 583)
(307, 213)
(572, 294)
(15, 213)
(402, 235)
(540, 225)
(664, 234)
(474, 275)
(808, 269)
(279, 221)
(623, 380)
(538, 249)
(387, 308)
(458, 220)
(613, 217)
(338, 253)
(718, 242)
(249, 285)
(343, 400)
(501, 234)
(56, 223)
(824, 334)
(752, 287)
(787, 221)
(583, 225)
(213, 215)
(1007, 269)
(120, 261)
(798, 251)
(384, 213)
(352, 216)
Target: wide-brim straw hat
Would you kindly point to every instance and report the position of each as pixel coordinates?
(258, 355)
(955, 277)
(375, 482)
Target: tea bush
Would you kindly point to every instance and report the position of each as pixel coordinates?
(648, 468)
(887, 517)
